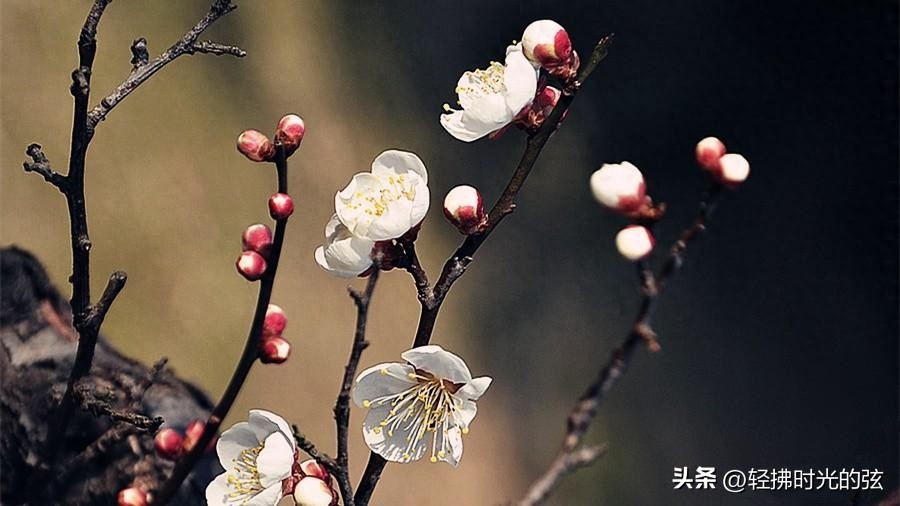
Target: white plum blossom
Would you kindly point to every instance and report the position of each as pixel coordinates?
(343, 254)
(491, 98)
(257, 456)
(619, 186)
(423, 406)
(386, 202)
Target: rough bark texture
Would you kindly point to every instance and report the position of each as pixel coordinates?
(98, 455)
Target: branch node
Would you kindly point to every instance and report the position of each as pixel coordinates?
(41, 165)
(139, 53)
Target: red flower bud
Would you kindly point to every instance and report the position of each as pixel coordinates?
(290, 132)
(709, 150)
(546, 43)
(274, 350)
(132, 496)
(251, 265)
(168, 443)
(464, 208)
(257, 238)
(281, 205)
(256, 146)
(275, 321)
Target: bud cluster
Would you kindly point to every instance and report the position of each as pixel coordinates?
(257, 147)
(170, 444)
(729, 169)
(273, 348)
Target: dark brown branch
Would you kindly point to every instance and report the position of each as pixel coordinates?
(91, 401)
(455, 266)
(342, 406)
(216, 48)
(582, 415)
(248, 357)
(41, 165)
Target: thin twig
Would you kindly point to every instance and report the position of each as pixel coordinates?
(582, 415)
(342, 406)
(310, 448)
(248, 357)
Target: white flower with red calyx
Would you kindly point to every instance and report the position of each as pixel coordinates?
(257, 238)
(546, 43)
(464, 208)
(634, 242)
(344, 254)
(290, 132)
(619, 187)
(256, 146)
(312, 485)
(491, 98)
(386, 202)
(258, 456)
(423, 406)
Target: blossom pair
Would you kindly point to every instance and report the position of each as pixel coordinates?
(377, 206)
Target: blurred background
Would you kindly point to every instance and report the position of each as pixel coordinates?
(780, 343)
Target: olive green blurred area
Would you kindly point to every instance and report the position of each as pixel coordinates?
(779, 340)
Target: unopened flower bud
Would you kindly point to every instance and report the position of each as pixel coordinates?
(313, 492)
(290, 132)
(312, 468)
(257, 238)
(274, 350)
(168, 443)
(733, 169)
(281, 205)
(619, 186)
(251, 265)
(547, 44)
(256, 146)
(275, 321)
(193, 432)
(464, 208)
(634, 242)
(132, 496)
(709, 150)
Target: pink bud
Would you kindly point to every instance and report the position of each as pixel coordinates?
(313, 492)
(275, 321)
(620, 187)
(251, 265)
(274, 350)
(132, 496)
(290, 132)
(708, 152)
(634, 242)
(193, 432)
(168, 443)
(733, 169)
(256, 146)
(463, 207)
(546, 43)
(312, 468)
(281, 205)
(257, 238)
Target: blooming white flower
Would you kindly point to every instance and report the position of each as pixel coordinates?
(343, 254)
(491, 98)
(425, 405)
(257, 456)
(386, 202)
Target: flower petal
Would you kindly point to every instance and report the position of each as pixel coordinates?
(235, 440)
(268, 497)
(474, 389)
(218, 490)
(275, 460)
(394, 442)
(520, 79)
(396, 162)
(283, 427)
(450, 441)
(466, 127)
(441, 363)
(465, 414)
(343, 254)
(381, 380)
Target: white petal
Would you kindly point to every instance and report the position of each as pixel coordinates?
(466, 413)
(452, 441)
(520, 79)
(273, 418)
(474, 389)
(343, 254)
(465, 127)
(393, 445)
(275, 460)
(217, 491)
(373, 383)
(233, 441)
(398, 162)
(312, 492)
(268, 497)
(437, 361)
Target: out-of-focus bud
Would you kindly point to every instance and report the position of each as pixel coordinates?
(733, 169)
(168, 443)
(312, 468)
(193, 432)
(290, 132)
(257, 238)
(620, 187)
(464, 208)
(634, 242)
(708, 152)
(256, 146)
(281, 205)
(275, 321)
(547, 44)
(274, 350)
(312, 491)
(132, 496)
(251, 265)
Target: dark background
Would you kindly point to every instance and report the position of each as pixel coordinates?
(780, 337)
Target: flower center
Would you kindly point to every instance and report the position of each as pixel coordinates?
(244, 476)
(426, 408)
(484, 82)
(374, 200)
